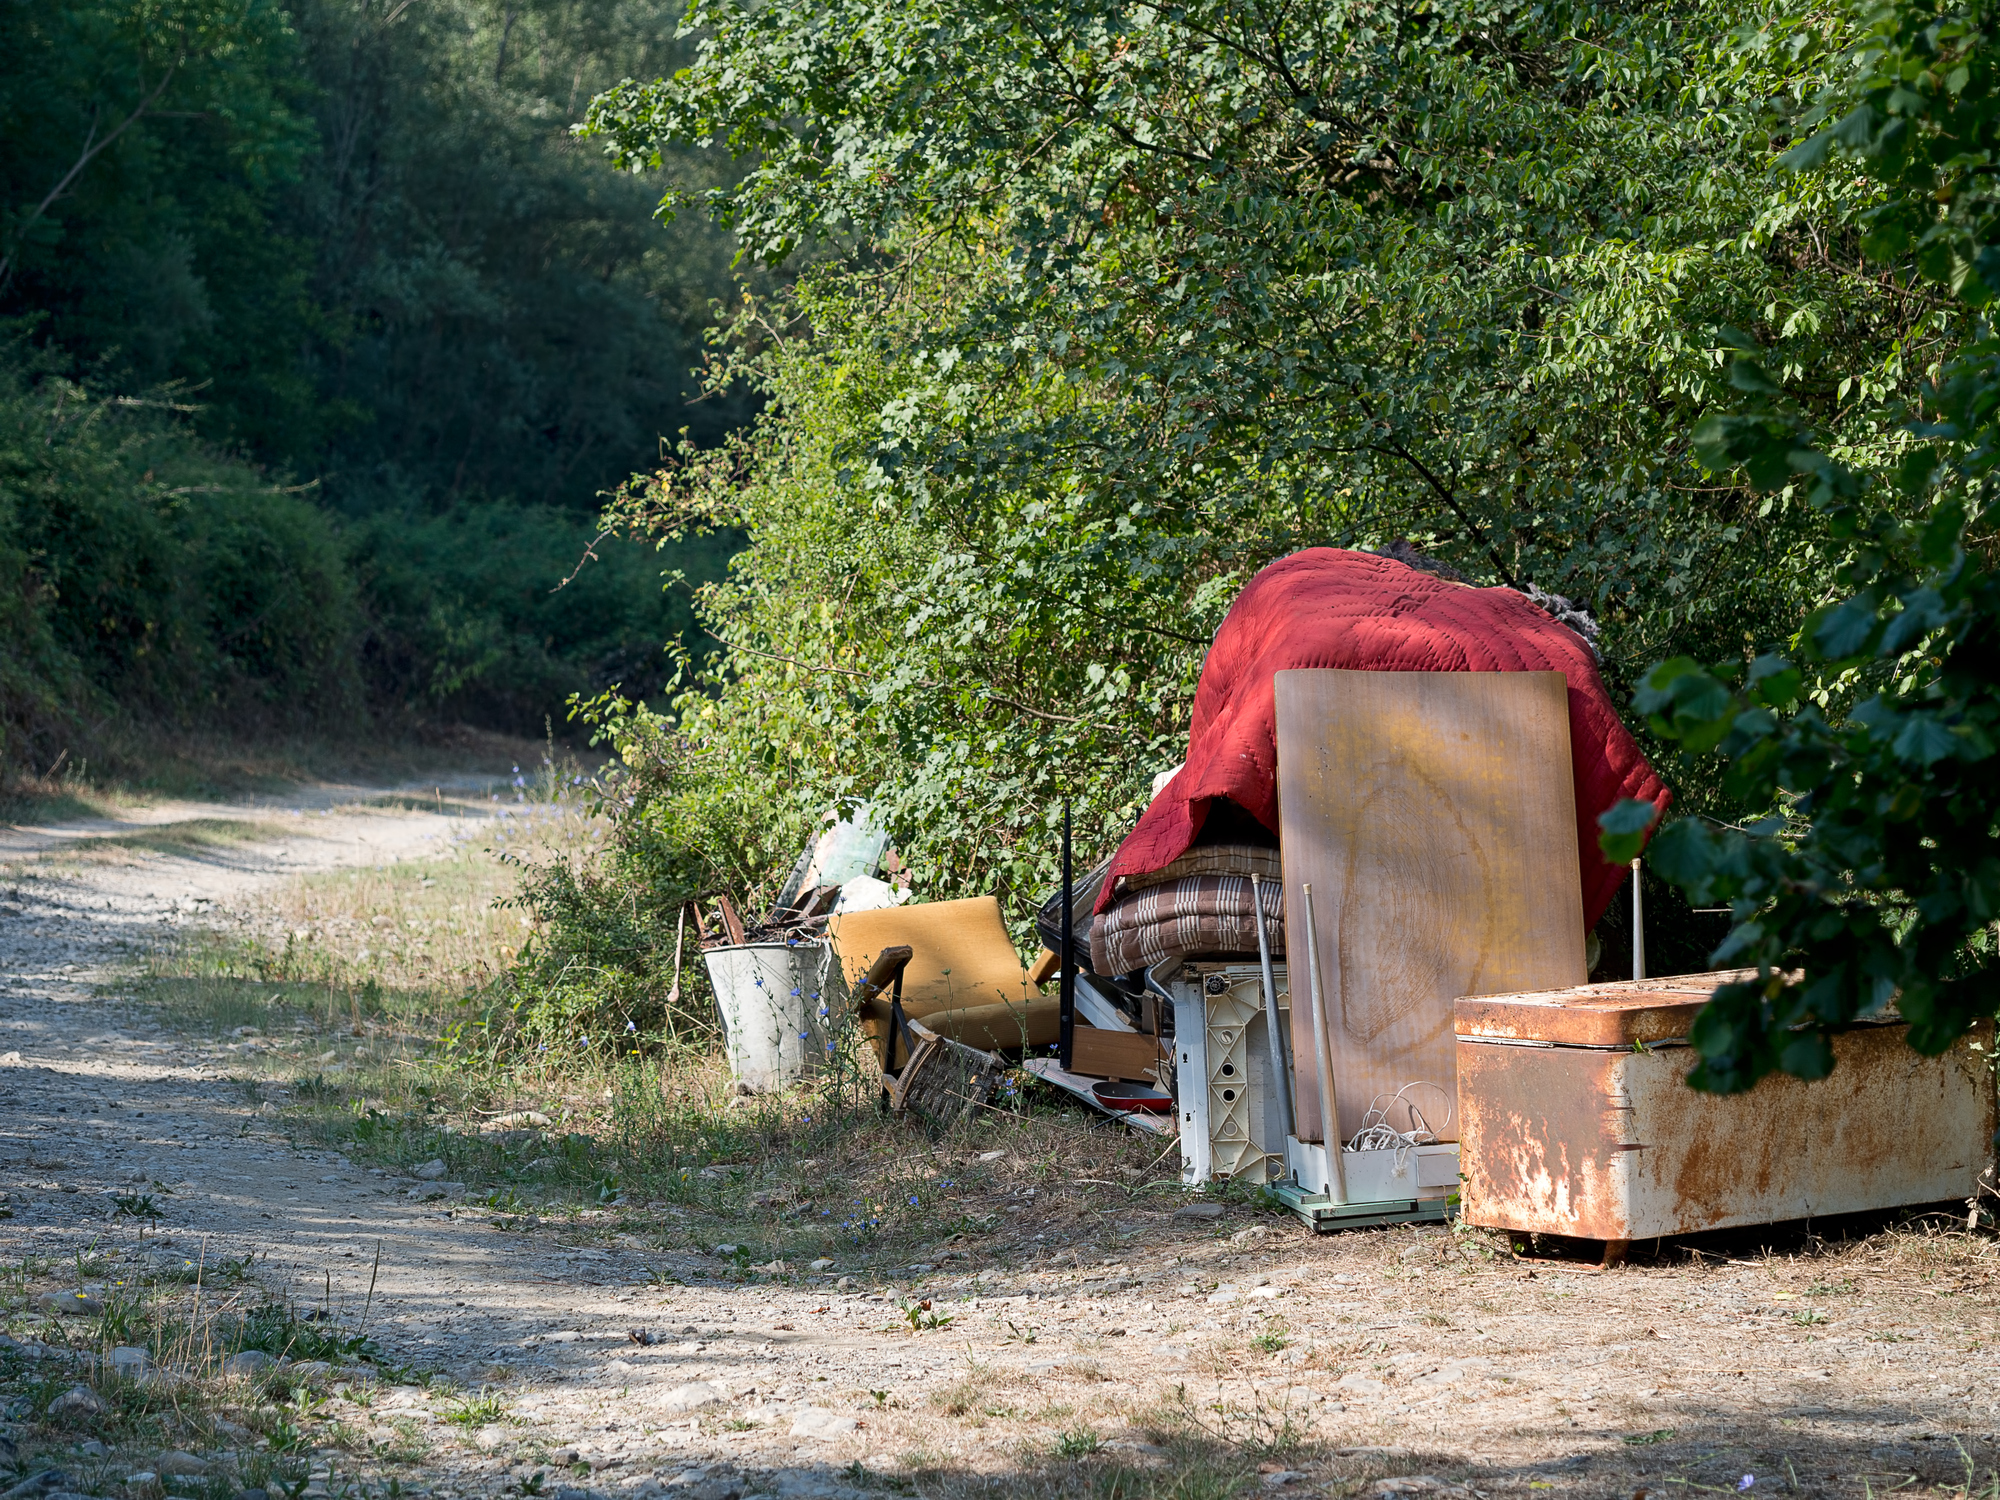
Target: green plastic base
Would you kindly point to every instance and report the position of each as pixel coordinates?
(1324, 1216)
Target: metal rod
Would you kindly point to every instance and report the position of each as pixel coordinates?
(1280, 1074)
(1066, 985)
(1329, 1110)
(1638, 925)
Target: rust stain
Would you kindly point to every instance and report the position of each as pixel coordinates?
(1611, 1144)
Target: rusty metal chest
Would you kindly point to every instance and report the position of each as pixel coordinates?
(1576, 1119)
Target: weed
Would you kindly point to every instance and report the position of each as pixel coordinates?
(135, 1206)
(1806, 1317)
(1260, 1430)
(1270, 1341)
(920, 1316)
(278, 1330)
(315, 1089)
(957, 1399)
(1077, 1442)
(1646, 1439)
(482, 1410)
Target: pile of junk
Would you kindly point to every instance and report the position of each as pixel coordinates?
(1391, 792)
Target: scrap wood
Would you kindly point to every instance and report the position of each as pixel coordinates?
(1127, 1055)
(885, 971)
(804, 921)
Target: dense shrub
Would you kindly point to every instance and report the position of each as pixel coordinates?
(144, 576)
(686, 823)
(469, 615)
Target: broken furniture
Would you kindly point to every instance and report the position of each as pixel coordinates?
(1377, 617)
(932, 1076)
(1576, 1119)
(964, 980)
(943, 1081)
(1330, 607)
(1210, 913)
(1429, 842)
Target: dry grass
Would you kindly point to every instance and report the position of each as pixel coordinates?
(185, 1317)
(429, 925)
(341, 999)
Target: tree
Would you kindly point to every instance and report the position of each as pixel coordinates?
(1868, 873)
(1123, 301)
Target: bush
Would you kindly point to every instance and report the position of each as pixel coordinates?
(686, 824)
(143, 576)
(469, 615)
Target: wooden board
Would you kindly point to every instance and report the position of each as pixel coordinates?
(1125, 1055)
(1433, 814)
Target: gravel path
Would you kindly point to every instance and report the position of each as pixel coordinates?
(1400, 1360)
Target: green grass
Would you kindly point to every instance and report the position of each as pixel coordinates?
(482, 1410)
(1077, 1442)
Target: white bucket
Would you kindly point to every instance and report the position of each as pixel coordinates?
(775, 1007)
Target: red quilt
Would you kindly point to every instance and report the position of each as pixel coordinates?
(1327, 607)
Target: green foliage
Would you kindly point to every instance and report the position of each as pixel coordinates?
(481, 1410)
(470, 614)
(1869, 873)
(141, 575)
(147, 141)
(361, 232)
(613, 955)
(1150, 299)
(354, 245)
(496, 312)
(279, 1330)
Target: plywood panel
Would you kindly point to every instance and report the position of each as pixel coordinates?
(1433, 814)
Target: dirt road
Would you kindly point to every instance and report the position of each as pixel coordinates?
(1113, 1354)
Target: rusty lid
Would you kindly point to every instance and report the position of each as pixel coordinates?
(1594, 1015)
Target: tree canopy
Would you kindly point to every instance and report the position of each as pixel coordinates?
(1118, 302)
(352, 254)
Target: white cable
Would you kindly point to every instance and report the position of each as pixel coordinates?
(1377, 1134)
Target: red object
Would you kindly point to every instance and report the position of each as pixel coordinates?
(1132, 1098)
(1327, 607)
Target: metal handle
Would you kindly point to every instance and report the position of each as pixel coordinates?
(1329, 1112)
(1638, 925)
